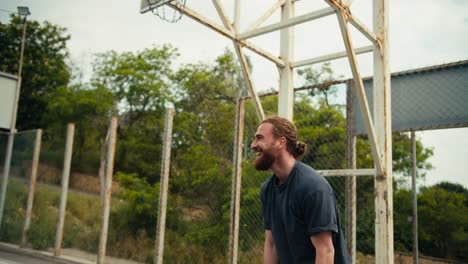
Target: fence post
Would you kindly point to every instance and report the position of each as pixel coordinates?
(164, 184)
(236, 181)
(108, 187)
(63, 196)
(32, 186)
(415, 198)
(351, 180)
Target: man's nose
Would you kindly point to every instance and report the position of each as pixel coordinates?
(253, 145)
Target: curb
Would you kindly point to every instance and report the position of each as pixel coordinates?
(44, 255)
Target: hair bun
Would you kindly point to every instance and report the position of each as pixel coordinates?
(300, 150)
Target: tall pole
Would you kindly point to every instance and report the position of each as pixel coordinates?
(351, 180)
(236, 181)
(64, 194)
(11, 136)
(164, 186)
(286, 90)
(32, 186)
(107, 192)
(415, 198)
(383, 129)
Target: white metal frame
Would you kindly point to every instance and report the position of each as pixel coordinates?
(378, 126)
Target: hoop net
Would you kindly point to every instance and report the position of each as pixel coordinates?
(158, 7)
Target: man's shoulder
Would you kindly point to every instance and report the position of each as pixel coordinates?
(308, 179)
(267, 184)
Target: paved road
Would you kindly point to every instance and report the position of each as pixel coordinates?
(12, 258)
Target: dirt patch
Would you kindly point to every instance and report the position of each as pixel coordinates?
(194, 213)
(79, 181)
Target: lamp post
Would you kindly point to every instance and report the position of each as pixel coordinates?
(22, 11)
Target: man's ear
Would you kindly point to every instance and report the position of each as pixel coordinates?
(283, 141)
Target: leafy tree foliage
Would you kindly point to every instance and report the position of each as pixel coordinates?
(313, 76)
(443, 221)
(86, 108)
(44, 66)
(140, 82)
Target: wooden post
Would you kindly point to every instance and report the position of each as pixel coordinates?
(108, 187)
(236, 181)
(164, 185)
(351, 180)
(32, 186)
(63, 196)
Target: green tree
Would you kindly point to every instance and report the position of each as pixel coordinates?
(205, 102)
(313, 76)
(140, 82)
(90, 110)
(44, 66)
(443, 222)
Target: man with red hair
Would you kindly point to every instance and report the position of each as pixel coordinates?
(300, 217)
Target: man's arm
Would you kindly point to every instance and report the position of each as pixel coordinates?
(269, 252)
(324, 250)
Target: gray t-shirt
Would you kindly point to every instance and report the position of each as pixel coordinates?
(301, 207)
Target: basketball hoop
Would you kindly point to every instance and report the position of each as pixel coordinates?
(158, 7)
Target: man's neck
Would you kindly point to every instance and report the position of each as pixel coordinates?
(283, 167)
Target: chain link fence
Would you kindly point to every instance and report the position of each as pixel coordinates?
(17, 185)
(200, 186)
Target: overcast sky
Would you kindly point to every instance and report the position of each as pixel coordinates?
(422, 33)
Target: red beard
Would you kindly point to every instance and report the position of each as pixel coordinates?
(265, 160)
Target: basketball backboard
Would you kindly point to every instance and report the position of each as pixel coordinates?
(8, 86)
(148, 5)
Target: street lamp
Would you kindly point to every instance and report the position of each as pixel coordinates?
(22, 11)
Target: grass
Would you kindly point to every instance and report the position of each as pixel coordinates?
(83, 222)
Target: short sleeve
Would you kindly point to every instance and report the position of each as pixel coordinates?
(319, 212)
(265, 209)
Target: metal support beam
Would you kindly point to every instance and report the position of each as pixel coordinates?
(222, 14)
(164, 187)
(225, 32)
(246, 71)
(236, 181)
(340, 7)
(384, 251)
(332, 56)
(286, 23)
(286, 90)
(348, 172)
(364, 30)
(266, 15)
(361, 92)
